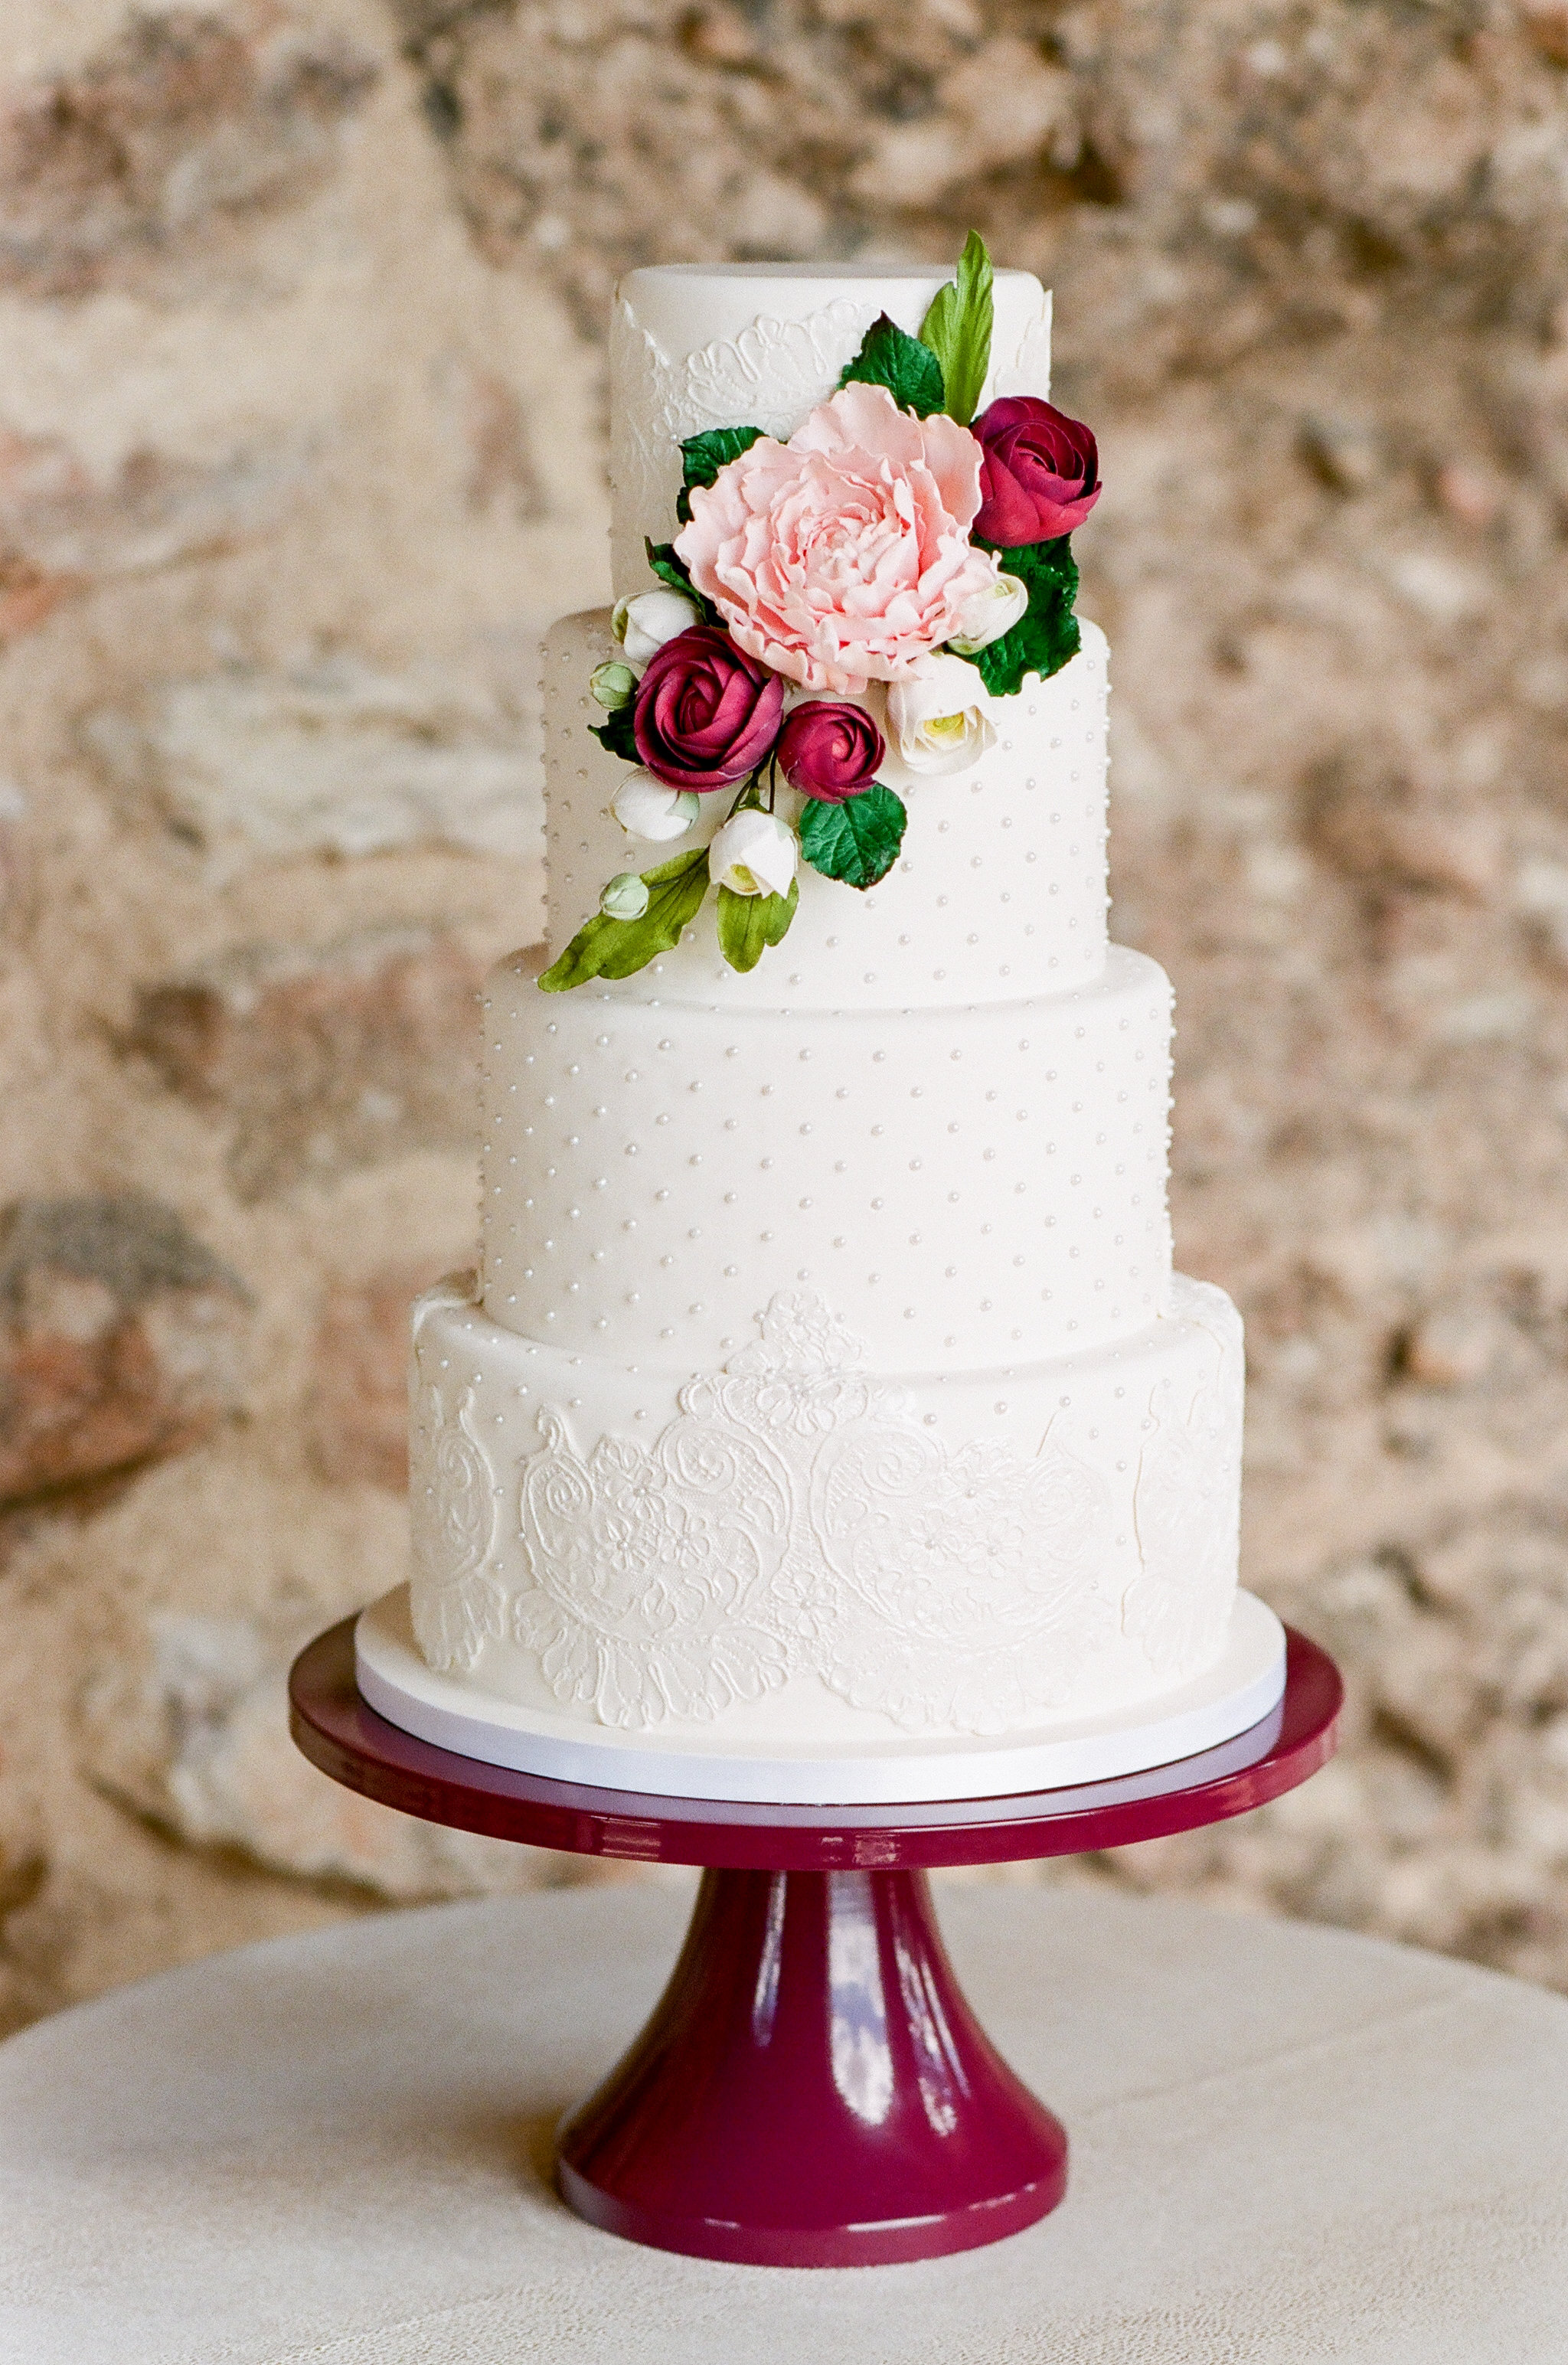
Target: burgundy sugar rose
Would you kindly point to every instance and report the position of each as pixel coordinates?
(829, 749)
(706, 712)
(1040, 476)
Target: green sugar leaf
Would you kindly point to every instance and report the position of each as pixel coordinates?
(616, 735)
(607, 947)
(703, 455)
(1046, 635)
(670, 569)
(910, 371)
(958, 329)
(749, 923)
(857, 841)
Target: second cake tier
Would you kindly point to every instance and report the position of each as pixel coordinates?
(999, 890)
(970, 1187)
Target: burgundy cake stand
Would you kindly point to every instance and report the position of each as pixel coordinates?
(812, 2088)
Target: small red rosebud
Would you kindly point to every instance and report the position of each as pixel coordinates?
(829, 749)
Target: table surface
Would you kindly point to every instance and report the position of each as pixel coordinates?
(1289, 2144)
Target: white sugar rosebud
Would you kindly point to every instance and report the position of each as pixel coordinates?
(939, 719)
(612, 685)
(625, 898)
(647, 807)
(645, 622)
(986, 615)
(754, 854)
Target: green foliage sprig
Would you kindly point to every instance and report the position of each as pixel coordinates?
(1046, 635)
(857, 840)
(957, 327)
(607, 947)
(890, 357)
(749, 923)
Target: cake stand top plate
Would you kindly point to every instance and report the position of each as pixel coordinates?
(348, 1741)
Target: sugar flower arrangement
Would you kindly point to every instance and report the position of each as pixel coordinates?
(821, 588)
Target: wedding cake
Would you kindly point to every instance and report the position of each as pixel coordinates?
(826, 1399)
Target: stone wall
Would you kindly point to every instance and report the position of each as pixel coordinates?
(300, 419)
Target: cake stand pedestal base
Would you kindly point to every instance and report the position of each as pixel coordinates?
(812, 2089)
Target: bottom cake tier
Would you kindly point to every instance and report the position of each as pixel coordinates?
(796, 1553)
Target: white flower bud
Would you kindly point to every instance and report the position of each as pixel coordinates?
(648, 808)
(754, 854)
(645, 622)
(625, 898)
(612, 685)
(986, 615)
(939, 718)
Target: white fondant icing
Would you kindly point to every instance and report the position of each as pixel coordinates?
(952, 1553)
(967, 1187)
(999, 891)
(832, 1390)
(1231, 1713)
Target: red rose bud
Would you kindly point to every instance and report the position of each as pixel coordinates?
(1040, 476)
(706, 712)
(829, 749)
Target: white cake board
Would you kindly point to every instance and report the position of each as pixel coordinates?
(1238, 1692)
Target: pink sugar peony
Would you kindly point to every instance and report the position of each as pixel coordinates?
(843, 556)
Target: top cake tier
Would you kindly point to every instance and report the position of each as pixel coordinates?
(697, 346)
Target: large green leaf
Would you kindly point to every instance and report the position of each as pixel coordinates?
(857, 841)
(749, 923)
(958, 329)
(607, 947)
(615, 733)
(1046, 635)
(703, 455)
(671, 570)
(910, 371)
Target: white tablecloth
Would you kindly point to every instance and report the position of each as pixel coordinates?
(1288, 2145)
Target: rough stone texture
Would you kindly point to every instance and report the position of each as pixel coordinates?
(331, 757)
(184, 121)
(358, 1414)
(326, 1056)
(299, 401)
(290, 479)
(60, 528)
(120, 1342)
(182, 1725)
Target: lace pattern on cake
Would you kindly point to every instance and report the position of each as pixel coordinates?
(456, 1602)
(649, 1570)
(768, 377)
(794, 1518)
(1028, 369)
(1186, 1503)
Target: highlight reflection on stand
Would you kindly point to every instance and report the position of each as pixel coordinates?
(813, 2088)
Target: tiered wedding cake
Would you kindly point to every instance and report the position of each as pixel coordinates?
(827, 1400)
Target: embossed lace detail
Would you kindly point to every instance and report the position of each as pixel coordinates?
(768, 377)
(1028, 370)
(1186, 1503)
(793, 1518)
(454, 1600)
